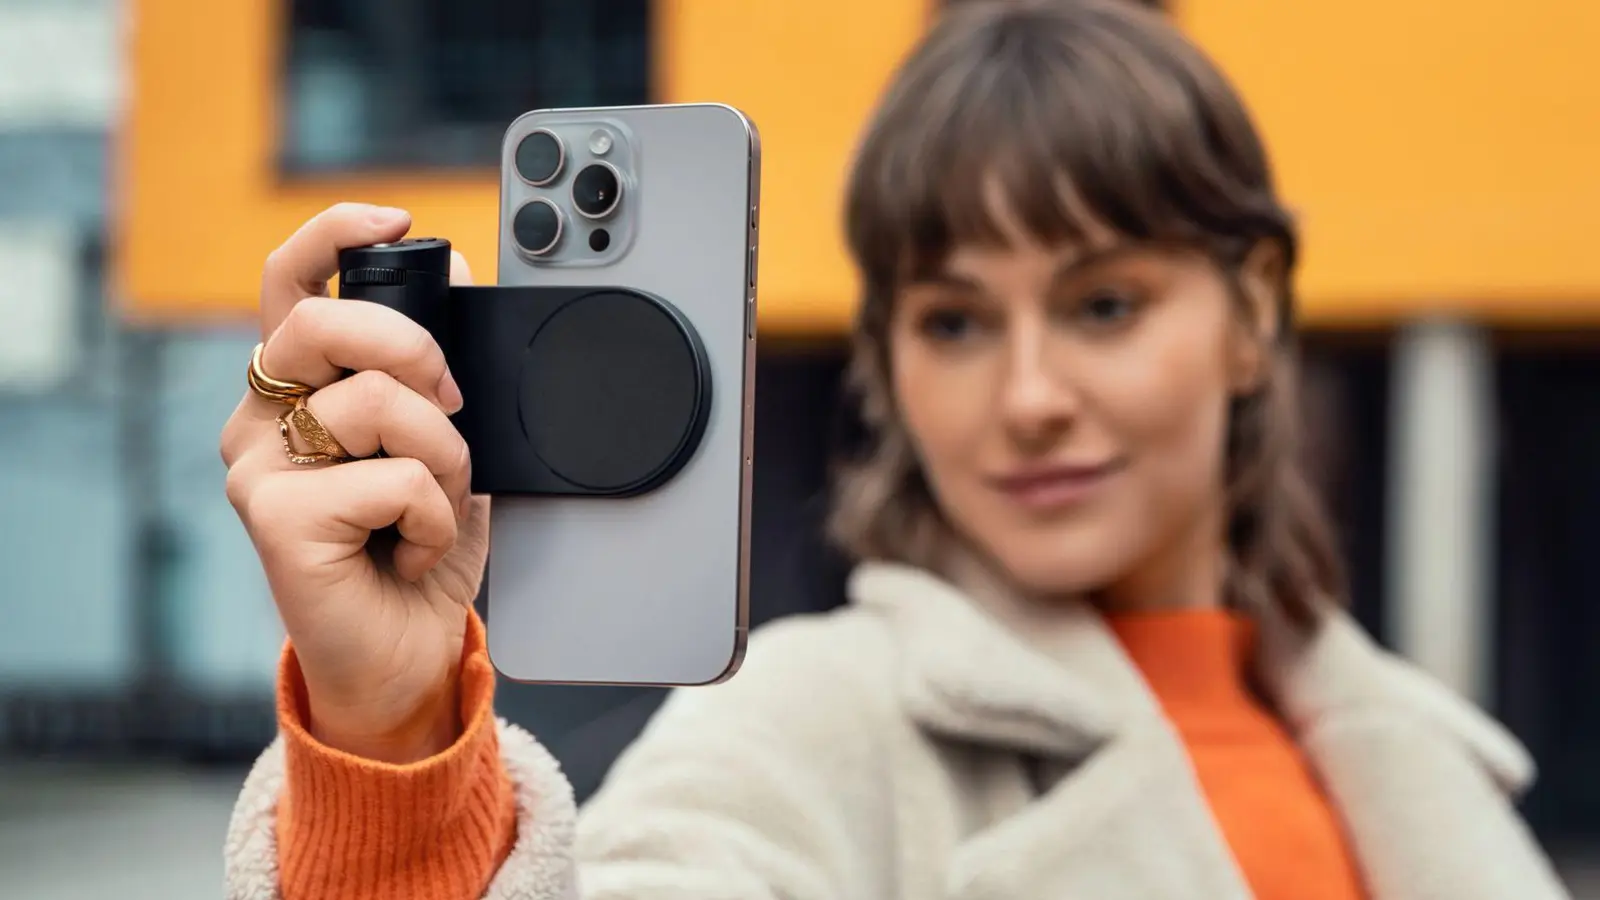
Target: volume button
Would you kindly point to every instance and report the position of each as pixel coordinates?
(750, 266)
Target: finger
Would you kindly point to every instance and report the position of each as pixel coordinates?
(460, 272)
(321, 339)
(302, 266)
(320, 517)
(370, 411)
(241, 431)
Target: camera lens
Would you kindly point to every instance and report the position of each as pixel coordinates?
(597, 190)
(537, 227)
(539, 157)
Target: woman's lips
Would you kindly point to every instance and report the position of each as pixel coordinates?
(1044, 488)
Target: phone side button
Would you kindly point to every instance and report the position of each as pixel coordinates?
(750, 315)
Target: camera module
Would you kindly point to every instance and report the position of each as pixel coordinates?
(540, 156)
(537, 227)
(596, 190)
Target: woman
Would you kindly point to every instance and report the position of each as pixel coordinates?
(1094, 647)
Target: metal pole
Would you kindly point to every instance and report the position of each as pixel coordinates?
(1441, 504)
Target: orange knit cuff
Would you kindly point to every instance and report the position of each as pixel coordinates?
(350, 827)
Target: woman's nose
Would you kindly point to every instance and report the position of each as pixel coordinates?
(1037, 402)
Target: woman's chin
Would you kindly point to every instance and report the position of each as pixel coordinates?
(1057, 570)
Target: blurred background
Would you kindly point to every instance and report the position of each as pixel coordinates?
(152, 152)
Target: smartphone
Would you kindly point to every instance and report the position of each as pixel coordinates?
(651, 589)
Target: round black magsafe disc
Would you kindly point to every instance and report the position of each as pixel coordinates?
(614, 392)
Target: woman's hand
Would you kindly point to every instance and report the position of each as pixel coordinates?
(377, 625)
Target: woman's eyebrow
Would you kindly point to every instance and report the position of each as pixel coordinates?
(1093, 256)
(945, 278)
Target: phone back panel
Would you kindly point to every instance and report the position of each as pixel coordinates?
(650, 589)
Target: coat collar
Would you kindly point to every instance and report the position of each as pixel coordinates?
(1419, 777)
(966, 675)
(980, 665)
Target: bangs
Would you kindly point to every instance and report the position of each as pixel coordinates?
(1066, 122)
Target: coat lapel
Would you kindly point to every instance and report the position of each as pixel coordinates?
(1126, 821)
(1422, 781)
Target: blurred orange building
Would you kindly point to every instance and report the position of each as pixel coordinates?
(1441, 154)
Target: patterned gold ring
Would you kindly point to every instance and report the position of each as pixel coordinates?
(324, 446)
(273, 389)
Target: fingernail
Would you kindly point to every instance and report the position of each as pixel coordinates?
(388, 216)
(450, 393)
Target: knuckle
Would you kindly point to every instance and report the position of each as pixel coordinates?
(307, 323)
(415, 476)
(266, 510)
(232, 442)
(238, 488)
(229, 448)
(371, 392)
(276, 262)
(419, 350)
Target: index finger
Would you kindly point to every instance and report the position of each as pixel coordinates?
(302, 266)
(320, 340)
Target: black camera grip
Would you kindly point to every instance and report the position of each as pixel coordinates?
(411, 276)
(568, 389)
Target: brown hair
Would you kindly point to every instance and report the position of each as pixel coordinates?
(1157, 147)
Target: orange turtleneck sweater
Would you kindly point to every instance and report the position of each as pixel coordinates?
(352, 829)
(1284, 834)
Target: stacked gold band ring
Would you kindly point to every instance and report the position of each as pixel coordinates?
(298, 419)
(269, 388)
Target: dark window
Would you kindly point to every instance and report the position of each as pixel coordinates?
(1346, 413)
(1549, 573)
(373, 84)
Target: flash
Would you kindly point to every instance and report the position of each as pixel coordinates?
(600, 143)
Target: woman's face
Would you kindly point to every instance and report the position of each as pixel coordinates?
(1069, 408)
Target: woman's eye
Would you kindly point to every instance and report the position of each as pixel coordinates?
(947, 324)
(1107, 307)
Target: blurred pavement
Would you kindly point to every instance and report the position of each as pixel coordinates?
(78, 832)
(70, 832)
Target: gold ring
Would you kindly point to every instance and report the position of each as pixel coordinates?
(269, 388)
(324, 446)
